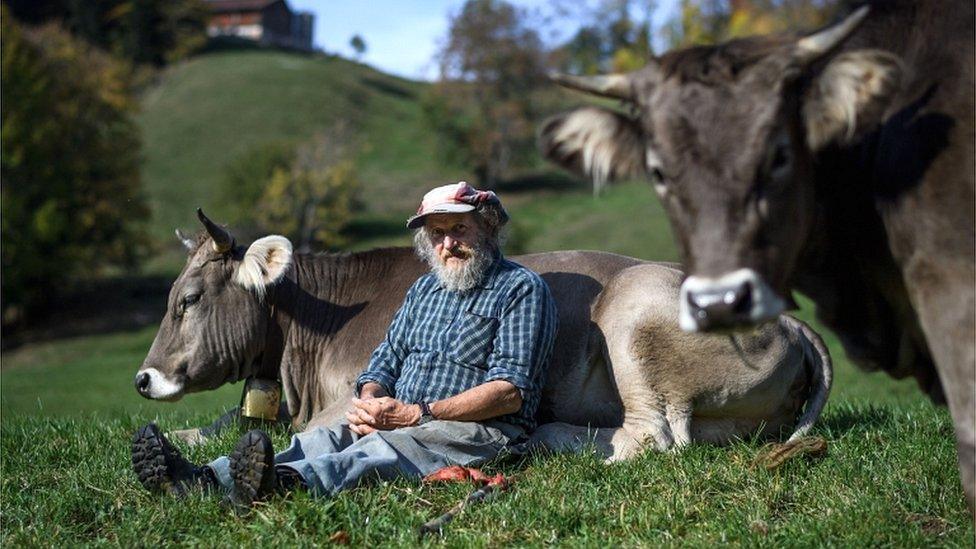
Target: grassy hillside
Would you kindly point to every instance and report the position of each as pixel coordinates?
(209, 110)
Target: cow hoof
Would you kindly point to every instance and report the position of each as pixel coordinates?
(252, 469)
(190, 437)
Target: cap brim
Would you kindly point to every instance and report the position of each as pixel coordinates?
(417, 221)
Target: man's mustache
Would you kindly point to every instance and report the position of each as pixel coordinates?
(460, 251)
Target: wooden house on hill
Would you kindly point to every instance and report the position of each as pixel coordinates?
(267, 22)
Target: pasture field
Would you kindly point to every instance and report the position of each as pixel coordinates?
(68, 407)
(888, 478)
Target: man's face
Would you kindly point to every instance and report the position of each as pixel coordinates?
(454, 237)
(457, 247)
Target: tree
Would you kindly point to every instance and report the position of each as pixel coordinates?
(610, 40)
(358, 45)
(245, 180)
(141, 31)
(585, 53)
(712, 21)
(491, 64)
(304, 192)
(71, 198)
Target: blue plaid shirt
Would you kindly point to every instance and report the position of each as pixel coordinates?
(442, 343)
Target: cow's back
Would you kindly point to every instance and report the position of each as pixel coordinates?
(332, 345)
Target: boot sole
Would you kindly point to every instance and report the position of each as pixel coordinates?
(252, 468)
(149, 461)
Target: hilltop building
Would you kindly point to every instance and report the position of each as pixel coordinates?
(267, 22)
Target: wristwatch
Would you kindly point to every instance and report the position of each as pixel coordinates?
(426, 415)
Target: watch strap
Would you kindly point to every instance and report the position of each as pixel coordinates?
(425, 414)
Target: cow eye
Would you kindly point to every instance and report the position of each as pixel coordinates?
(190, 299)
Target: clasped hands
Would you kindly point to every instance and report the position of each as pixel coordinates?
(381, 414)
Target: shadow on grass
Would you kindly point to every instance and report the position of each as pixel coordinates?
(387, 87)
(236, 43)
(845, 418)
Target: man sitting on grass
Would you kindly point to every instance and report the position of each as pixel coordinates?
(456, 381)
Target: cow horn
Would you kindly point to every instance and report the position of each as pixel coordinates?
(222, 240)
(187, 242)
(815, 45)
(616, 86)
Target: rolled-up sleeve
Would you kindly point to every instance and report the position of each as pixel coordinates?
(524, 339)
(385, 362)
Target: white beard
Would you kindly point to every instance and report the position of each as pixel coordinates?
(456, 279)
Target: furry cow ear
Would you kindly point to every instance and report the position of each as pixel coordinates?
(849, 96)
(264, 263)
(597, 143)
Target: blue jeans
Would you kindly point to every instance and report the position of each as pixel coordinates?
(334, 458)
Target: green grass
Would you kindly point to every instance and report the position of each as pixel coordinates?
(887, 480)
(68, 407)
(90, 376)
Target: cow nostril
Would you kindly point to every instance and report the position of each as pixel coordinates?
(742, 299)
(142, 382)
(722, 305)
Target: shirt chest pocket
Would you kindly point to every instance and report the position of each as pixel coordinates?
(472, 339)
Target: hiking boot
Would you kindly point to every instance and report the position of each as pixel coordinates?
(252, 468)
(161, 468)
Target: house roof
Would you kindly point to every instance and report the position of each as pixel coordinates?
(222, 6)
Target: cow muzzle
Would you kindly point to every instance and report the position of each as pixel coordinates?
(734, 300)
(153, 384)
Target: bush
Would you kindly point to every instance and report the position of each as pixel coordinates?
(484, 107)
(141, 31)
(245, 180)
(69, 165)
(304, 192)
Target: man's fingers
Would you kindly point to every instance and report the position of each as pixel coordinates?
(361, 429)
(365, 417)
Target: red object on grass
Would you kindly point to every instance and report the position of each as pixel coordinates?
(457, 473)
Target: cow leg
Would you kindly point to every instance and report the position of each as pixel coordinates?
(330, 415)
(679, 418)
(200, 435)
(946, 314)
(648, 424)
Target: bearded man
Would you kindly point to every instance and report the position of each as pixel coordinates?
(457, 380)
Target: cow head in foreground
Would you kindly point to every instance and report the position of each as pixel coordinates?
(216, 316)
(727, 135)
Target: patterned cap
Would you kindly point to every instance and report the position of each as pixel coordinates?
(454, 198)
